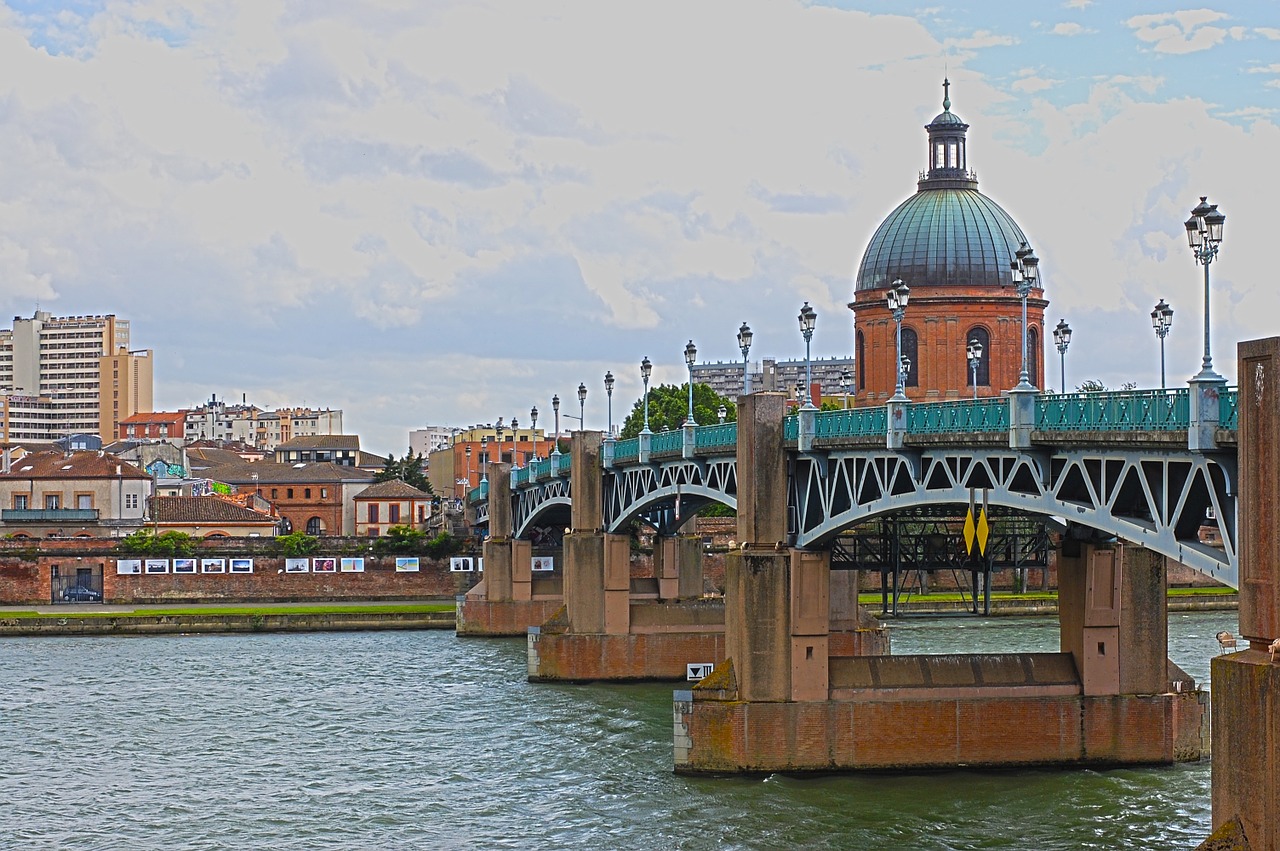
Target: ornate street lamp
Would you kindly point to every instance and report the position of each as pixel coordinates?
(484, 459)
(515, 429)
(1062, 339)
(1204, 232)
(722, 412)
(498, 429)
(1026, 275)
(533, 415)
(468, 466)
(897, 298)
(608, 389)
(846, 384)
(1162, 321)
(646, 370)
(690, 355)
(744, 343)
(905, 369)
(974, 351)
(808, 318)
(555, 406)
(582, 404)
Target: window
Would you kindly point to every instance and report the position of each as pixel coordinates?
(393, 514)
(862, 363)
(131, 500)
(288, 493)
(84, 500)
(910, 351)
(275, 493)
(315, 526)
(306, 493)
(373, 531)
(324, 493)
(982, 338)
(373, 512)
(1033, 356)
(52, 501)
(20, 500)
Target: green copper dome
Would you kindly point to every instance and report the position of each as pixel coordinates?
(948, 233)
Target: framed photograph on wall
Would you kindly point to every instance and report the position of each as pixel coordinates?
(184, 565)
(297, 565)
(213, 565)
(128, 566)
(324, 565)
(543, 563)
(157, 565)
(352, 565)
(461, 564)
(480, 564)
(242, 565)
(407, 565)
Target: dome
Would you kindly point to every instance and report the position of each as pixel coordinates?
(946, 117)
(942, 236)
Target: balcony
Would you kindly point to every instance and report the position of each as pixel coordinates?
(49, 515)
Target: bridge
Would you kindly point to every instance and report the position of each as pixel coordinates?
(1147, 466)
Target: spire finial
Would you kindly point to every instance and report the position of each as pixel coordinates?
(946, 95)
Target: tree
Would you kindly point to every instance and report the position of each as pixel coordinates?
(408, 470)
(669, 405)
(1093, 385)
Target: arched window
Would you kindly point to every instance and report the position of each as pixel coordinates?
(315, 526)
(910, 351)
(979, 335)
(862, 362)
(1033, 356)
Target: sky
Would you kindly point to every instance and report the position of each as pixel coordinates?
(447, 212)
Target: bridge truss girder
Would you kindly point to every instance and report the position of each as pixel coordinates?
(1157, 499)
(666, 494)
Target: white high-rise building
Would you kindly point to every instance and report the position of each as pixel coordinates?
(65, 375)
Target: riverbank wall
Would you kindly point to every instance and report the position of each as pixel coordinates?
(73, 624)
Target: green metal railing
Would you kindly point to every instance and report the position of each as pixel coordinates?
(1228, 406)
(1124, 410)
(667, 441)
(480, 493)
(626, 450)
(718, 436)
(791, 428)
(519, 476)
(970, 415)
(855, 422)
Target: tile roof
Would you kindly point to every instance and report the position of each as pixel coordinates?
(77, 465)
(203, 509)
(208, 456)
(392, 489)
(269, 472)
(321, 441)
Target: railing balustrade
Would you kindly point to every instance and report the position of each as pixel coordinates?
(1123, 410)
(718, 436)
(626, 450)
(1228, 404)
(667, 441)
(855, 422)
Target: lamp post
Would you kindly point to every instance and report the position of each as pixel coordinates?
(555, 406)
(904, 365)
(1062, 339)
(974, 350)
(608, 389)
(1162, 321)
(1026, 272)
(484, 459)
(1204, 232)
(744, 343)
(722, 412)
(846, 384)
(533, 416)
(897, 298)
(646, 369)
(690, 355)
(498, 431)
(808, 318)
(582, 404)
(468, 468)
(515, 429)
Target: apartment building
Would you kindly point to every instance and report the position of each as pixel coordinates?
(249, 424)
(64, 375)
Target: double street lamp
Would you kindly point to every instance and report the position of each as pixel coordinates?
(582, 405)
(646, 370)
(846, 384)
(744, 343)
(1062, 339)
(690, 355)
(1162, 321)
(897, 298)
(974, 351)
(1025, 267)
(1204, 233)
(808, 318)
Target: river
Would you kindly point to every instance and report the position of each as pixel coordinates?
(422, 739)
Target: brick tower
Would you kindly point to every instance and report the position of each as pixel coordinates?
(954, 247)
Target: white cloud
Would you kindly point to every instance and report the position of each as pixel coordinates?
(1078, 4)
(980, 39)
(1033, 84)
(1070, 28)
(1185, 31)
(1271, 33)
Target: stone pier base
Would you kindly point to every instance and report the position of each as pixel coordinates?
(897, 725)
(480, 617)
(1246, 733)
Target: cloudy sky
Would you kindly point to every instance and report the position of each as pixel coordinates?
(446, 212)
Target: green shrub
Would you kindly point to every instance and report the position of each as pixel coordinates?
(297, 544)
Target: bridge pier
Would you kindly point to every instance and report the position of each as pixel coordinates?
(605, 631)
(504, 602)
(1246, 685)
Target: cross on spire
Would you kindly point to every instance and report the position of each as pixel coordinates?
(946, 94)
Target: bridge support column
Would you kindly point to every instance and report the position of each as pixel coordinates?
(677, 565)
(1246, 685)
(601, 633)
(502, 603)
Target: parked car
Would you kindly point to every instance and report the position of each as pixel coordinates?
(81, 594)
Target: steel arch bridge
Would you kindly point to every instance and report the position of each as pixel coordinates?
(1129, 475)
